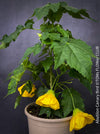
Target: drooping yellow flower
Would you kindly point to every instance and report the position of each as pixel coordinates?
(25, 93)
(48, 100)
(80, 119)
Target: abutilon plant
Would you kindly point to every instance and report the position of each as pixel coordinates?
(58, 54)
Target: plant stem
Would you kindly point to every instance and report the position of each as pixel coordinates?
(36, 29)
(51, 78)
(66, 82)
(71, 98)
(42, 82)
(60, 87)
(54, 82)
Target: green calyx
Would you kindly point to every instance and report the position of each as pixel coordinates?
(75, 111)
(51, 92)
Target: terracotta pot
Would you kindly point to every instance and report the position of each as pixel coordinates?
(47, 126)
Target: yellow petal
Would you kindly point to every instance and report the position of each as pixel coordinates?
(20, 88)
(80, 120)
(48, 100)
(72, 124)
(88, 117)
(77, 123)
(26, 94)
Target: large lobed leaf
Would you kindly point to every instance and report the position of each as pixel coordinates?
(54, 12)
(67, 103)
(44, 11)
(76, 53)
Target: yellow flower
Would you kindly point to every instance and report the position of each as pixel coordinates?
(39, 35)
(80, 119)
(25, 93)
(48, 100)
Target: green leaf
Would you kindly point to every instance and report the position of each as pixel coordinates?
(44, 50)
(17, 102)
(27, 87)
(35, 69)
(57, 113)
(28, 65)
(51, 11)
(55, 16)
(84, 81)
(15, 78)
(45, 111)
(44, 11)
(48, 27)
(51, 36)
(47, 63)
(12, 86)
(56, 31)
(4, 43)
(74, 12)
(41, 12)
(76, 53)
(41, 91)
(63, 32)
(63, 69)
(70, 34)
(54, 12)
(29, 24)
(6, 40)
(36, 49)
(49, 113)
(67, 101)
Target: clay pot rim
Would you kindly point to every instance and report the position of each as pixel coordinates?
(44, 119)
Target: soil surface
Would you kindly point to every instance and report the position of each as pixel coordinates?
(34, 110)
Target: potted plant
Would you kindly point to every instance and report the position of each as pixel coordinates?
(57, 107)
